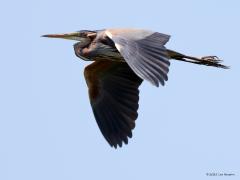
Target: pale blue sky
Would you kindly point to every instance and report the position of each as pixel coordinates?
(186, 129)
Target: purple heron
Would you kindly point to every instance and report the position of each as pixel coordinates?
(123, 58)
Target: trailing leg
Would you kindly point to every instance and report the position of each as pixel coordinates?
(206, 60)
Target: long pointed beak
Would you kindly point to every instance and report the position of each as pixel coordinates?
(70, 36)
(55, 35)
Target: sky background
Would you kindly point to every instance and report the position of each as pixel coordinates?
(185, 129)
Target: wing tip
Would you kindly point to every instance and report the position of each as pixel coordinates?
(120, 143)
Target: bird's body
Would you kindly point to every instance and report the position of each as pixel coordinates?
(123, 58)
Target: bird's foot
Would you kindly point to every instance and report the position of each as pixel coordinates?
(211, 59)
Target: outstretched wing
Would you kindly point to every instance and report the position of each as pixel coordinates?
(113, 93)
(144, 52)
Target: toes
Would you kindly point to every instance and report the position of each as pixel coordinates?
(210, 58)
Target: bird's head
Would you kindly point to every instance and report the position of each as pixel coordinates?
(84, 36)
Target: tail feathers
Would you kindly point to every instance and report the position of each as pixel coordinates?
(207, 60)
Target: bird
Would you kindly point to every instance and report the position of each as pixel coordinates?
(122, 59)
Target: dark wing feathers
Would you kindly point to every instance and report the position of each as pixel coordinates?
(113, 92)
(146, 55)
(113, 86)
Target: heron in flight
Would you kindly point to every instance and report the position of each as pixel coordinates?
(123, 58)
